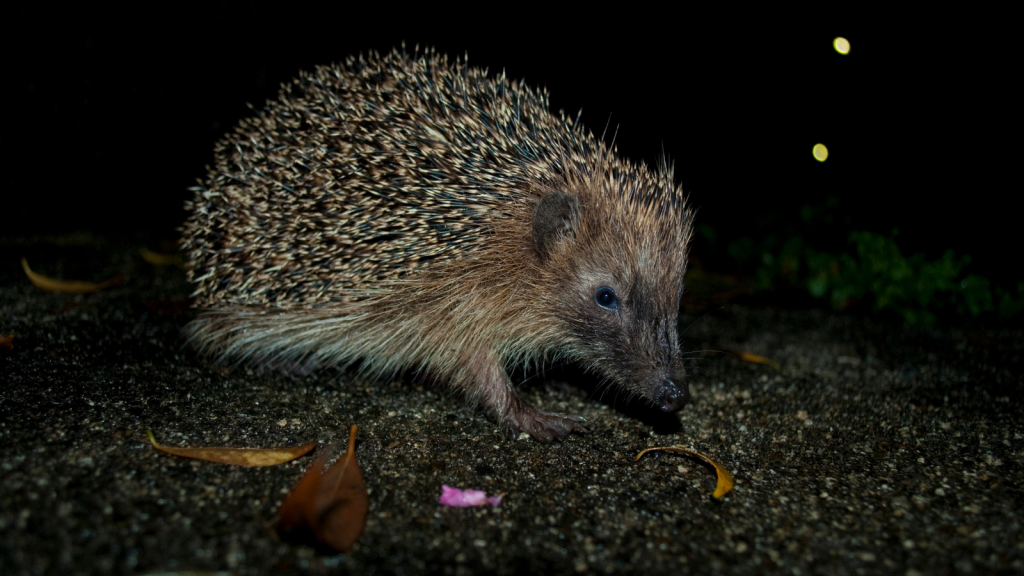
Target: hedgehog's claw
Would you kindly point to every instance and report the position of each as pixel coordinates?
(487, 377)
(545, 427)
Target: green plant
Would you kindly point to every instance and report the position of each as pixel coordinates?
(874, 272)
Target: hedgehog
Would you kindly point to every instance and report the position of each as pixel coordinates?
(409, 213)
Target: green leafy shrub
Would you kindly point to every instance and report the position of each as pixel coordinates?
(874, 272)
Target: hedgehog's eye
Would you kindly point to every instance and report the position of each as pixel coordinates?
(605, 298)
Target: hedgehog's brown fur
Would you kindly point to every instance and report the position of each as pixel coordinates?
(386, 211)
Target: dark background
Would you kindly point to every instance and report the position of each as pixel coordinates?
(110, 115)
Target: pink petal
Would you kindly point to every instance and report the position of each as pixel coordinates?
(463, 498)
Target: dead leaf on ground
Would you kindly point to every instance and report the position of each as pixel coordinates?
(327, 507)
(237, 456)
(67, 286)
(754, 358)
(725, 482)
(7, 342)
(161, 259)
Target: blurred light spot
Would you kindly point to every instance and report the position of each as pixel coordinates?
(842, 45)
(820, 152)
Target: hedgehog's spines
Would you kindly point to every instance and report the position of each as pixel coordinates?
(378, 154)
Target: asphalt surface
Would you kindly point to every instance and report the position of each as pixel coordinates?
(874, 449)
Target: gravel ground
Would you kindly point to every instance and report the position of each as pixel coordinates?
(875, 449)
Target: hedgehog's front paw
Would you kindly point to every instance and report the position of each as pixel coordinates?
(545, 427)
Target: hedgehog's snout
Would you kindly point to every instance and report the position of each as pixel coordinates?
(672, 396)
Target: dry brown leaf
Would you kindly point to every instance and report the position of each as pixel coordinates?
(748, 357)
(161, 259)
(327, 507)
(7, 342)
(725, 482)
(67, 286)
(238, 456)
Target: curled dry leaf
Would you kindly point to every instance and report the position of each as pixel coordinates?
(7, 342)
(67, 286)
(748, 357)
(327, 507)
(161, 259)
(725, 482)
(237, 456)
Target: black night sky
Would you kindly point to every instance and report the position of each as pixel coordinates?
(111, 115)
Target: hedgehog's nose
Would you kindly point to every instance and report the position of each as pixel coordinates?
(671, 397)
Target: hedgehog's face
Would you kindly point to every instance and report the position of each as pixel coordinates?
(625, 326)
(618, 297)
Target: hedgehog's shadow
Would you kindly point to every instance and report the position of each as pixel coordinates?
(577, 381)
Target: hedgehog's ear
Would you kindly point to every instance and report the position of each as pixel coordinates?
(552, 219)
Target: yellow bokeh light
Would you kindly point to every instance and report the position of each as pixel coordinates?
(842, 45)
(820, 152)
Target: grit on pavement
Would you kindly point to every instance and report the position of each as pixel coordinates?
(875, 448)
